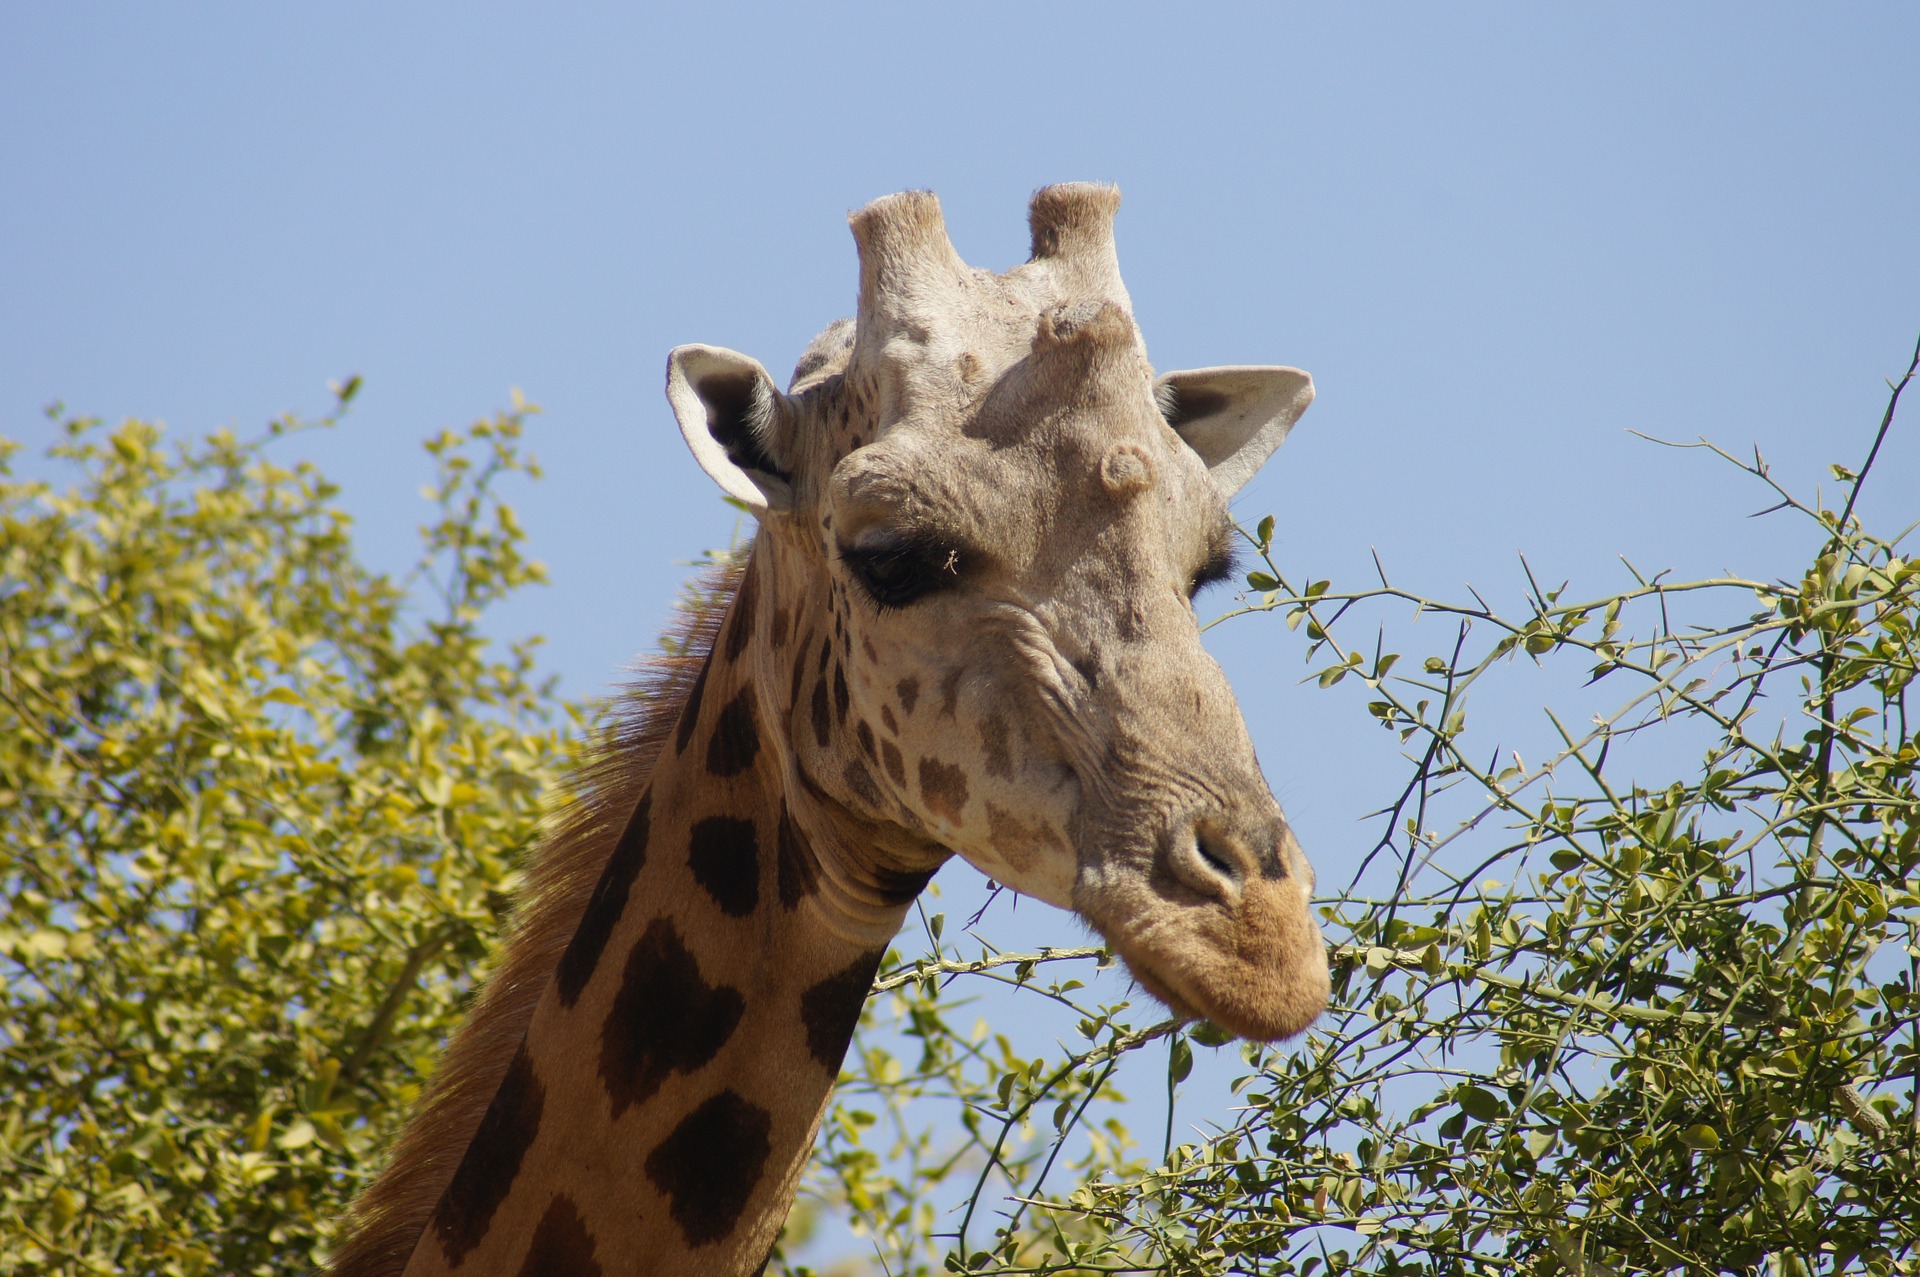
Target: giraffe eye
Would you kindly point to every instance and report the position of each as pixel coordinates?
(896, 571)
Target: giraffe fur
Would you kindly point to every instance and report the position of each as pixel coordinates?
(964, 628)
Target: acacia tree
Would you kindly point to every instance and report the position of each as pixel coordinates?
(1610, 1011)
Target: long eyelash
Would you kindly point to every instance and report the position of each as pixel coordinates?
(860, 593)
(863, 597)
(940, 564)
(886, 553)
(1222, 565)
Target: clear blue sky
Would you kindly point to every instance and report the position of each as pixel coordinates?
(1499, 241)
(1499, 237)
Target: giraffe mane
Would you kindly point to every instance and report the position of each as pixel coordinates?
(389, 1216)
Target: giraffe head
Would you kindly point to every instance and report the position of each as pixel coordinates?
(983, 522)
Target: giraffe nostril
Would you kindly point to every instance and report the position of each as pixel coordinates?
(1214, 856)
(1208, 861)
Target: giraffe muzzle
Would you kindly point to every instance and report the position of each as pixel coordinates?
(1216, 922)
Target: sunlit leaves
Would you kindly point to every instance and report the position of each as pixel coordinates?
(259, 809)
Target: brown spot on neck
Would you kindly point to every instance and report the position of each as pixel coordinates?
(740, 624)
(993, 739)
(796, 871)
(860, 780)
(908, 690)
(1018, 841)
(799, 673)
(690, 712)
(604, 909)
(492, 1161)
(896, 765)
(724, 854)
(736, 736)
(562, 1245)
(943, 787)
(711, 1163)
(831, 1009)
(822, 715)
(842, 697)
(665, 1019)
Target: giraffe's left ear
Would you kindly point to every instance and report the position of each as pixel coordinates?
(1233, 417)
(733, 418)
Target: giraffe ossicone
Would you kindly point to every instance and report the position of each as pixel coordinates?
(965, 627)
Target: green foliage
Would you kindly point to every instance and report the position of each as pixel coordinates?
(257, 823)
(1678, 1031)
(937, 1117)
(1645, 1004)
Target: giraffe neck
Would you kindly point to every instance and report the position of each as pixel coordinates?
(663, 1102)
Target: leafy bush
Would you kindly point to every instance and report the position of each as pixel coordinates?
(1678, 1031)
(256, 825)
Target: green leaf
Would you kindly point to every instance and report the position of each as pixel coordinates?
(1700, 1136)
(1477, 1103)
(1179, 1060)
(1207, 1033)
(299, 1133)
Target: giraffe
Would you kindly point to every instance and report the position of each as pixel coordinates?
(964, 626)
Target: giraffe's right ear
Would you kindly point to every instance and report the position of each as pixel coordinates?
(732, 416)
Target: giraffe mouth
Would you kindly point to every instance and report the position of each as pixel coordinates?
(1256, 968)
(1160, 991)
(1255, 1009)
